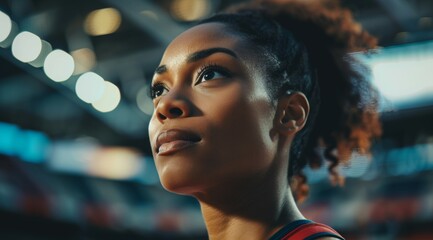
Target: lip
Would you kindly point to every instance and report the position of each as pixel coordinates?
(173, 140)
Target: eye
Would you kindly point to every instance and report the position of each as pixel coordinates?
(158, 90)
(211, 72)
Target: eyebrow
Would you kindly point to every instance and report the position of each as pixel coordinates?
(193, 57)
(161, 69)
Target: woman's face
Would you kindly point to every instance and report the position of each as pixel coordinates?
(213, 117)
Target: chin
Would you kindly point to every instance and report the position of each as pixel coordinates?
(179, 182)
(179, 188)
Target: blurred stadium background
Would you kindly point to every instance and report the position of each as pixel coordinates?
(75, 161)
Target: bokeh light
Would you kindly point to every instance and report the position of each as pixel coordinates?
(85, 60)
(59, 65)
(144, 102)
(110, 98)
(115, 163)
(102, 22)
(190, 10)
(90, 87)
(26, 47)
(357, 167)
(27, 145)
(5, 26)
(390, 71)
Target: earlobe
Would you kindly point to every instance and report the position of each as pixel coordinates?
(292, 113)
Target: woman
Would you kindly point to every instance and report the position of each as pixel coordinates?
(242, 102)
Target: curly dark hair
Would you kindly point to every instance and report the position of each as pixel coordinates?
(306, 47)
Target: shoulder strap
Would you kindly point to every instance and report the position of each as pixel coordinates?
(310, 231)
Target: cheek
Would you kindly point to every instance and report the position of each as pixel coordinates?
(239, 127)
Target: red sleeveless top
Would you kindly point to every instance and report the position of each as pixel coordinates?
(305, 230)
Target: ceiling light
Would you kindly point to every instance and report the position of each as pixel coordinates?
(109, 100)
(85, 60)
(5, 27)
(190, 10)
(404, 79)
(90, 87)
(59, 66)
(26, 47)
(102, 22)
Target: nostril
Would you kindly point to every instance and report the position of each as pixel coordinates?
(177, 112)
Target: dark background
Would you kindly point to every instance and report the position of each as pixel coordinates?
(60, 176)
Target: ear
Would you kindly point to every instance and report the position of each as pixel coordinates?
(291, 113)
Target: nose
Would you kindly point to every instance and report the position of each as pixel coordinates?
(172, 105)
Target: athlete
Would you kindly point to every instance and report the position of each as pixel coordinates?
(247, 98)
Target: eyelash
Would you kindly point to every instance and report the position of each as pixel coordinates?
(155, 88)
(202, 71)
(208, 67)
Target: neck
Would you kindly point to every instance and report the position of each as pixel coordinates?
(253, 209)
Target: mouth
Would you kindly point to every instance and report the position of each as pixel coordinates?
(173, 140)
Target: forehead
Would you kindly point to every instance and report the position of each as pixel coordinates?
(203, 36)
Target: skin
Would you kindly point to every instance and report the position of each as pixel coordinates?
(237, 170)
